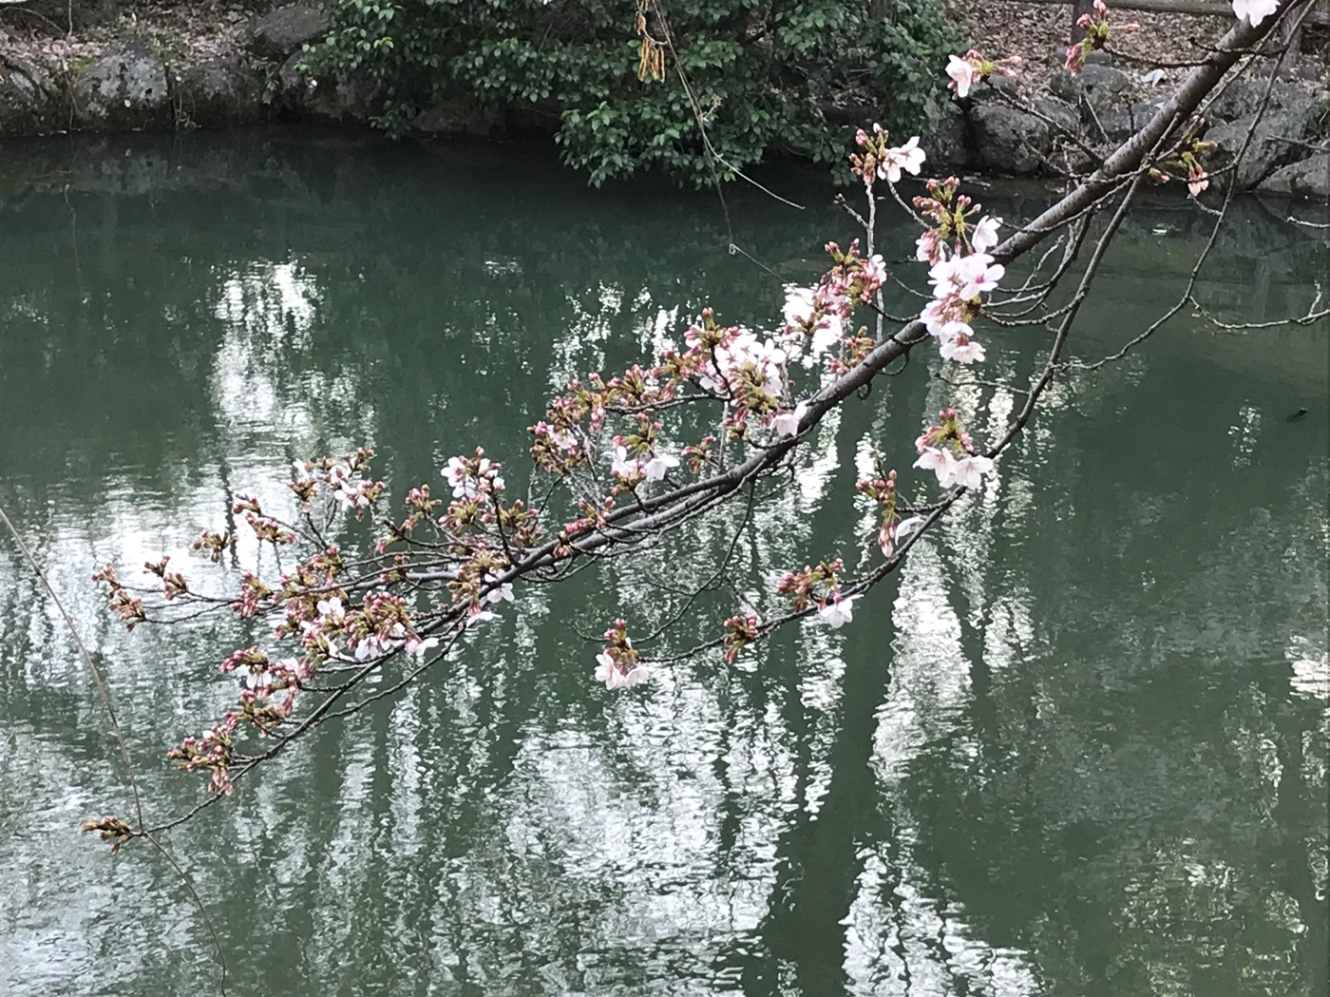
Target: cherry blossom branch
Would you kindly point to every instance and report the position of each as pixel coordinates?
(350, 614)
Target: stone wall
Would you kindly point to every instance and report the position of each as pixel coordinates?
(1075, 122)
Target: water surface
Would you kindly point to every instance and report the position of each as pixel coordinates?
(1076, 747)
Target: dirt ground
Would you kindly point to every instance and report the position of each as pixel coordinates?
(188, 33)
(1039, 34)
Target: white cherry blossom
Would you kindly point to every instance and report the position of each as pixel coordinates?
(979, 274)
(636, 675)
(656, 467)
(787, 423)
(1254, 11)
(940, 462)
(604, 667)
(908, 526)
(457, 477)
(330, 609)
(839, 612)
(962, 349)
(985, 234)
(961, 73)
(483, 616)
(970, 470)
(623, 466)
(908, 157)
(501, 593)
(608, 672)
(368, 647)
(966, 471)
(948, 277)
(417, 647)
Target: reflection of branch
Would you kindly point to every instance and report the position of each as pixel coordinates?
(142, 831)
(716, 576)
(1220, 216)
(1313, 314)
(1307, 224)
(1064, 328)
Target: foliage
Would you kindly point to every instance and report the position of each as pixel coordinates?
(765, 73)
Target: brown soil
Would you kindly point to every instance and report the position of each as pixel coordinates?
(185, 33)
(1040, 33)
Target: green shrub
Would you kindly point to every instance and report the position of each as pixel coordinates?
(765, 73)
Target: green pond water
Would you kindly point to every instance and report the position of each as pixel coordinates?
(1076, 746)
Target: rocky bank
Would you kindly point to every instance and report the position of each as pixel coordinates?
(255, 68)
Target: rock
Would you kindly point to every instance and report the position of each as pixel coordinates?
(1146, 110)
(1243, 98)
(995, 85)
(125, 89)
(947, 144)
(1310, 177)
(1098, 57)
(1122, 122)
(1008, 140)
(28, 98)
(1012, 140)
(331, 99)
(1062, 114)
(284, 30)
(1096, 83)
(1097, 77)
(217, 93)
(1066, 127)
(1117, 123)
(1066, 86)
(1290, 118)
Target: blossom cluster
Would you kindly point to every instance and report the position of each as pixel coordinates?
(947, 450)
(817, 320)
(636, 458)
(619, 666)
(819, 586)
(972, 68)
(1185, 160)
(879, 161)
(448, 564)
(604, 437)
(479, 536)
(894, 529)
(962, 271)
(340, 480)
(1097, 30)
(740, 631)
